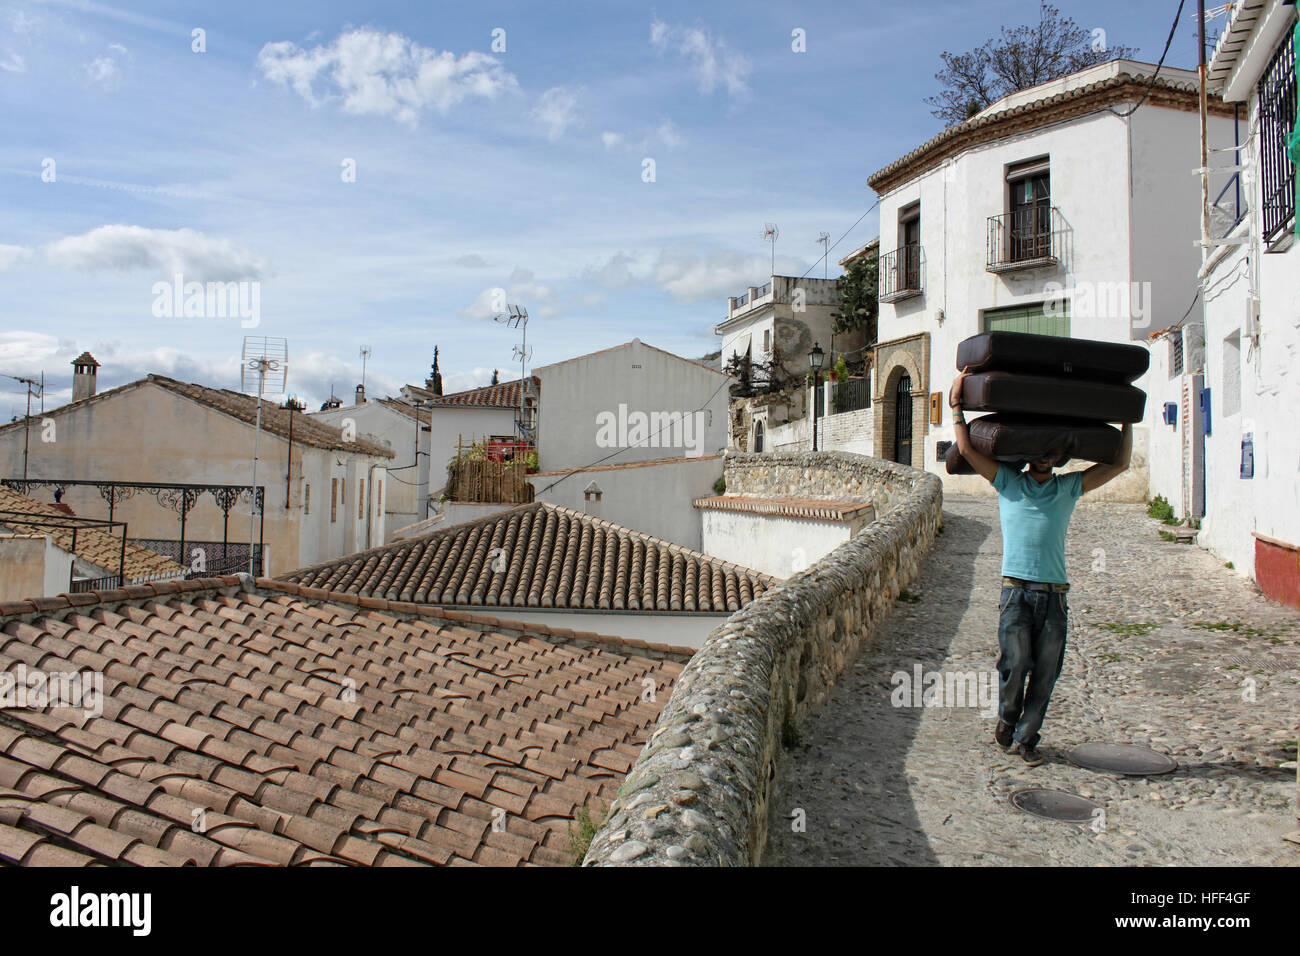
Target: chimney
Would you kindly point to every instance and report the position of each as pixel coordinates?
(84, 379)
(361, 395)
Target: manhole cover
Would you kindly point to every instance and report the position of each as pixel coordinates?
(1055, 805)
(1121, 758)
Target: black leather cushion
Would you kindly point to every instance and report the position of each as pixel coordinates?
(1053, 355)
(957, 465)
(1012, 437)
(1035, 394)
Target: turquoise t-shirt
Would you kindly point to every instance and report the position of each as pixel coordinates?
(1034, 521)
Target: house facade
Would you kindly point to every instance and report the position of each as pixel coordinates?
(1063, 209)
(188, 445)
(632, 402)
(1232, 448)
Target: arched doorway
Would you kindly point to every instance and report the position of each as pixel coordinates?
(903, 420)
(758, 436)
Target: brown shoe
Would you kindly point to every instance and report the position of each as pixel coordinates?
(1002, 734)
(1029, 755)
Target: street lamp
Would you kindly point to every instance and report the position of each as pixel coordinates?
(815, 359)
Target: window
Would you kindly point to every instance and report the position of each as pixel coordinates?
(767, 341)
(1176, 353)
(1232, 374)
(1029, 187)
(1037, 318)
(361, 500)
(909, 245)
(343, 490)
(379, 496)
(306, 499)
(1277, 117)
(334, 500)
(758, 436)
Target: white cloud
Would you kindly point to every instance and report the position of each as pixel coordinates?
(691, 275)
(11, 256)
(120, 248)
(616, 272)
(472, 261)
(105, 71)
(13, 63)
(668, 135)
(611, 139)
(714, 63)
(523, 289)
(384, 74)
(557, 110)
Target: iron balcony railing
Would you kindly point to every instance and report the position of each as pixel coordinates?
(900, 273)
(1025, 238)
(1277, 117)
(852, 395)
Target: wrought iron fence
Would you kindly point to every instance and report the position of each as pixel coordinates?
(900, 272)
(1024, 237)
(1277, 116)
(213, 557)
(852, 395)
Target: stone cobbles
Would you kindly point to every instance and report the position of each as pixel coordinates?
(1167, 648)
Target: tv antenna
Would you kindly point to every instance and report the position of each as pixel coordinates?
(264, 367)
(770, 233)
(825, 240)
(39, 392)
(516, 317)
(365, 354)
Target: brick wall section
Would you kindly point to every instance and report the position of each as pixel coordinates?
(698, 794)
(845, 427)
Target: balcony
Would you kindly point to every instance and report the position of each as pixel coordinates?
(1028, 238)
(901, 273)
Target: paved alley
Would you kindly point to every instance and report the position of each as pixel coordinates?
(1167, 648)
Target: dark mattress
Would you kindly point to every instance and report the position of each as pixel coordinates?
(1038, 395)
(1027, 437)
(1053, 355)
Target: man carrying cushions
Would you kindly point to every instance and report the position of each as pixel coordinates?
(1035, 506)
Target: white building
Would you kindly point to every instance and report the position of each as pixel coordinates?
(632, 402)
(1063, 209)
(323, 493)
(1232, 453)
(403, 428)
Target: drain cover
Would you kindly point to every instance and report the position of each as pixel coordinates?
(1055, 805)
(1121, 758)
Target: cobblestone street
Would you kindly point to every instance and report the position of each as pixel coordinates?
(1166, 649)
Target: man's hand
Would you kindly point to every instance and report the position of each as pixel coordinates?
(1099, 474)
(986, 467)
(954, 393)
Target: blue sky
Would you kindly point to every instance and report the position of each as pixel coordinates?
(475, 169)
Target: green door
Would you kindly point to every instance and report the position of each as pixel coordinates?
(1029, 318)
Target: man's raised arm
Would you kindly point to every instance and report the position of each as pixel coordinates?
(986, 466)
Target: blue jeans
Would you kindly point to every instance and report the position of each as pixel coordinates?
(1031, 633)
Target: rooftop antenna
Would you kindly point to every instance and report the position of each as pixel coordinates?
(264, 366)
(516, 317)
(39, 392)
(365, 354)
(770, 234)
(825, 240)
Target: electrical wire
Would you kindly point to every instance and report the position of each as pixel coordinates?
(827, 253)
(1152, 82)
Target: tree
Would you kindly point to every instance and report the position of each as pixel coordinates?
(1016, 60)
(858, 288)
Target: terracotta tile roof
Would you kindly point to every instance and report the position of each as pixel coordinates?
(275, 420)
(501, 395)
(242, 726)
(410, 411)
(630, 464)
(85, 359)
(101, 548)
(553, 558)
(1051, 108)
(814, 508)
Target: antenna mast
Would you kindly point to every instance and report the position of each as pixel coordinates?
(265, 361)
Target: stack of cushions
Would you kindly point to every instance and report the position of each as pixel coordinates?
(1051, 397)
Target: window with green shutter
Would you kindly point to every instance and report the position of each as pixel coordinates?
(1029, 318)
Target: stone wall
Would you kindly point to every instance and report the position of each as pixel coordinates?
(698, 794)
